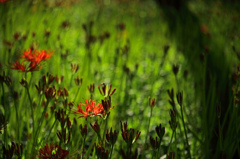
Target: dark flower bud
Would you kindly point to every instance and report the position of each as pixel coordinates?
(155, 143)
(95, 127)
(24, 37)
(170, 93)
(129, 155)
(40, 88)
(69, 123)
(33, 34)
(59, 80)
(84, 130)
(180, 98)
(70, 105)
(47, 33)
(50, 78)
(106, 105)
(121, 26)
(65, 24)
(152, 102)
(104, 91)
(100, 151)
(91, 88)
(84, 26)
(111, 136)
(65, 92)
(48, 151)
(160, 131)
(16, 36)
(78, 81)
(8, 152)
(165, 49)
(175, 69)
(128, 135)
(50, 92)
(24, 82)
(74, 68)
(60, 92)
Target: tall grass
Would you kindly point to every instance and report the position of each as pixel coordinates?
(98, 45)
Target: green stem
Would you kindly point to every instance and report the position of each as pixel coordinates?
(170, 142)
(185, 131)
(5, 111)
(111, 152)
(60, 142)
(41, 120)
(18, 122)
(84, 140)
(31, 106)
(51, 129)
(220, 134)
(104, 131)
(176, 82)
(39, 127)
(76, 94)
(158, 150)
(148, 126)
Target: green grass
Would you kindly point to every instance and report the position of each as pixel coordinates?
(140, 72)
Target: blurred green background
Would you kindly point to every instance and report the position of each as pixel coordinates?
(133, 44)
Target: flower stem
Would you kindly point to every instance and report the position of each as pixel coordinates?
(41, 120)
(157, 154)
(104, 131)
(185, 131)
(76, 94)
(60, 142)
(111, 152)
(31, 106)
(148, 126)
(51, 129)
(170, 142)
(5, 111)
(18, 122)
(39, 127)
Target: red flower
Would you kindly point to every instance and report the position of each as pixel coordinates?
(91, 108)
(19, 66)
(52, 152)
(34, 58)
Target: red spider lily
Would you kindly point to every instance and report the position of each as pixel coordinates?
(19, 66)
(91, 108)
(54, 151)
(34, 57)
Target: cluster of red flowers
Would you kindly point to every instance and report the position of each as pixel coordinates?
(33, 58)
(91, 108)
(52, 151)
